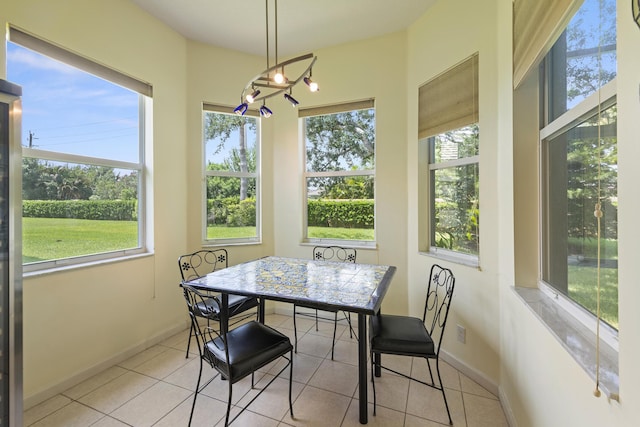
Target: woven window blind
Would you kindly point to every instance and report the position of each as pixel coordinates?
(536, 26)
(450, 100)
(336, 108)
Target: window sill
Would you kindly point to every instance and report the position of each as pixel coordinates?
(577, 339)
(454, 257)
(87, 264)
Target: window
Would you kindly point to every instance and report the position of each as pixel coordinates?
(450, 142)
(579, 161)
(83, 156)
(455, 214)
(231, 171)
(340, 172)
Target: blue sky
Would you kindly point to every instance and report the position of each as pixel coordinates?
(71, 111)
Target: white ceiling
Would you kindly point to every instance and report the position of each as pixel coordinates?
(303, 25)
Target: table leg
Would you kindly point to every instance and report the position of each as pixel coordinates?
(362, 367)
(224, 313)
(261, 310)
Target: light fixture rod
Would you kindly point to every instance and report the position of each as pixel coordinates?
(265, 79)
(266, 14)
(276, 20)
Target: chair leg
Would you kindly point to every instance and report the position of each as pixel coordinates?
(446, 405)
(226, 421)
(335, 327)
(373, 382)
(189, 341)
(195, 395)
(348, 317)
(290, 384)
(377, 360)
(295, 330)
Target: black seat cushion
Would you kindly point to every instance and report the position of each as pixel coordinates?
(237, 304)
(402, 335)
(251, 346)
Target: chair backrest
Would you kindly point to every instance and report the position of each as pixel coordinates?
(438, 302)
(199, 305)
(201, 263)
(334, 253)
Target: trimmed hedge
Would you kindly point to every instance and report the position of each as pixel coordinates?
(114, 210)
(228, 211)
(358, 213)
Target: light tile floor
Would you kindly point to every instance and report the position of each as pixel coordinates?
(155, 388)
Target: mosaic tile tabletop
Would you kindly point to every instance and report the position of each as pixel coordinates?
(345, 286)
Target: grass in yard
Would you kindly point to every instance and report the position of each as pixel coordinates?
(583, 289)
(225, 232)
(54, 238)
(341, 233)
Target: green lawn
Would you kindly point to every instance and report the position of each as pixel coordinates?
(53, 238)
(583, 286)
(224, 232)
(341, 233)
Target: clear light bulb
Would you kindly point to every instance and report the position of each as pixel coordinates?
(278, 77)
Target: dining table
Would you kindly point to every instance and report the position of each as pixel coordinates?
(355, 288)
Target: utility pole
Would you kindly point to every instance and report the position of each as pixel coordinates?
(32, 136)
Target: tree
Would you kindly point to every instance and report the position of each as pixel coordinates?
(590, 55)
(220, 127)
(456, 191)
(591, 49)
(42, 180)
(339, 142)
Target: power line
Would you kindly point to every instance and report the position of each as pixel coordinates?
(92, 123)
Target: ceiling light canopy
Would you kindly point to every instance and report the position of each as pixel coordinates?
(273, 81)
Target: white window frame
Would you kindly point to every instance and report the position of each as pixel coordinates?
(145, 92)
(571, 118)
(328, 110)
(218, 109)
(453, 256)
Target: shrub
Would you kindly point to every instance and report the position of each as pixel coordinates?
(345, 213)
(232, 212)
(115, 210)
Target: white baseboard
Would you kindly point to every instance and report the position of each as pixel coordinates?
(478, 377)
(484, 381)
(506, 407)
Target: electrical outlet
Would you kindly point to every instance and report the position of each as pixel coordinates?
(462, 334)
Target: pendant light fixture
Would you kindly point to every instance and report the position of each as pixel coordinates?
(273, 80)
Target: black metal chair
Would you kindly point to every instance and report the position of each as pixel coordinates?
(200, 263)
(327, 253)
(414, 337)
(237, 353)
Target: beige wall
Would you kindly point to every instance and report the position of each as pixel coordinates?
(450, 32)
(79, 320)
